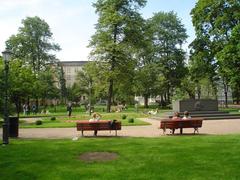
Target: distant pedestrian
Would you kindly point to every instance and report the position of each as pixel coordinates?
(34, 109)
(27, 109)
(24, 109)
(69, 109)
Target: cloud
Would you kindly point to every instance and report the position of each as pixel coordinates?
(71, 22)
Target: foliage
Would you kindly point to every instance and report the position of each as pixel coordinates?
(62, 83)
(53, 118)
(39, 122)
(118, 33)
(33, 43)
(32, 49)
(1, 85)
(130, 120)
(21, 80)
(161, 67)
(45, 84)
(216, 46)
(124, 116)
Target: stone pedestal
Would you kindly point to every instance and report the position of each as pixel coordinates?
(195, 105)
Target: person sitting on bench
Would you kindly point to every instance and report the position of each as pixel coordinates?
(176, 116)
(96, 117)
(186, 115)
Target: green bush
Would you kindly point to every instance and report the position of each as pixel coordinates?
(124, 116)
(131, 120)
(53, 118)
(39, 122)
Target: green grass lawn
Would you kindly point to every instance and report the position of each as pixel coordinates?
(61, 122)
(181, 157)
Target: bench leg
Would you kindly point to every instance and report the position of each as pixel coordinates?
(181, 130)
(196, 130)
(164, 131)
(82, 133)
(173, 131)
(115, 132)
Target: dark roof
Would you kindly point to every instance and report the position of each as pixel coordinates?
(73, 63)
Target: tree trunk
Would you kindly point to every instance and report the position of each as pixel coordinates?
(225, 94)
(191, 94)
(199, 92)
(17, 105)
(110, 89)
(238, 94)
(146, 101)
(238, 97)
(37, 105)
(110, 93)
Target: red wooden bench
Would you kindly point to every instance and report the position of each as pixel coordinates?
(194, 123)
(98, 126)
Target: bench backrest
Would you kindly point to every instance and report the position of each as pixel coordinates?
(187, 123)
(99, 125)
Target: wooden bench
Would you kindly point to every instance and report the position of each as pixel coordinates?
(98, 126)
(194, 123)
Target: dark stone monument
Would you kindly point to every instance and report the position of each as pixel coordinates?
(204, 108)
(192, 105)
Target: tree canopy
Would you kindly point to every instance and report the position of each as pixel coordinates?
(118, 33)
(216, 47)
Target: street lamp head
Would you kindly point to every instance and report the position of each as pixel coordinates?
(6, 55)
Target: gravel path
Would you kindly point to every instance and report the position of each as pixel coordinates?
(209, 127)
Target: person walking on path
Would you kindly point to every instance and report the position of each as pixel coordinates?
(69, 109)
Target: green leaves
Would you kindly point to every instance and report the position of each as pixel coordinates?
(217, 43)
(33, 43)
(118, 34)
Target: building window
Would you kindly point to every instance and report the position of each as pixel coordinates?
(68, 70)
(68, 78)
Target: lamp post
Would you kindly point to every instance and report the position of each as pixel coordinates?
(6, 57)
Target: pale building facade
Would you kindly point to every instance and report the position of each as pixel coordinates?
(71, 69)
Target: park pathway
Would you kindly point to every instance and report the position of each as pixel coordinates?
(209, 127)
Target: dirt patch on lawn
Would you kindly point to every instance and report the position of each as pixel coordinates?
(98, 156)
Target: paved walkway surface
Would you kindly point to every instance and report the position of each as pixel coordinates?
(209, 127)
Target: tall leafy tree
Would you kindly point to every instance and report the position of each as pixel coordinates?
(162, 58)
(21, 80)
(46, 84)
(1, 85)
(33, 43)
(217, 25)
(118, 33)
(202, 64)
(62, 84)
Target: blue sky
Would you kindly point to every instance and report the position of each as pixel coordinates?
(72, 21)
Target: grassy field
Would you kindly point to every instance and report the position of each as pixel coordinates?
(64, 120)
(79, 113)
(184, 157)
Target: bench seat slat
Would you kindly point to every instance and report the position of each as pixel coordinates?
(99, 125)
